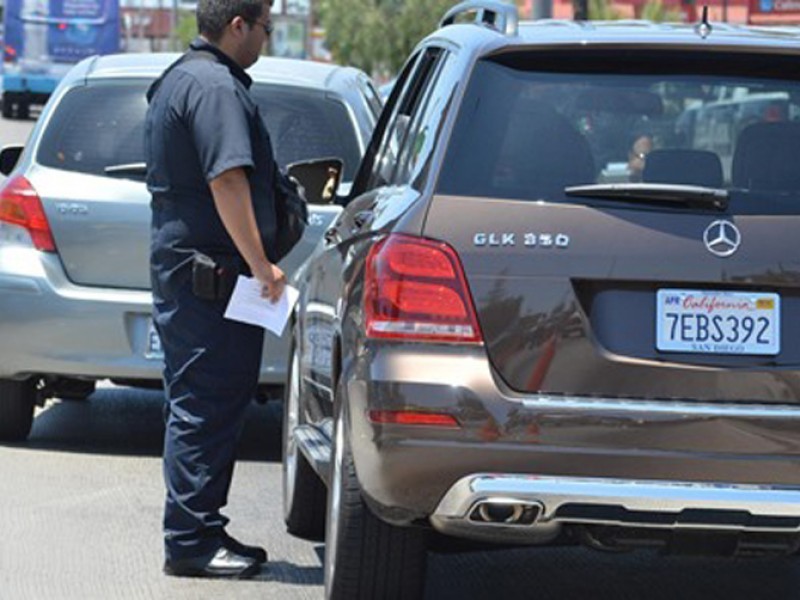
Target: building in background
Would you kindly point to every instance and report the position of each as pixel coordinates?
(148, 25)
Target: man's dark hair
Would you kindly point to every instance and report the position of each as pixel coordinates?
(214, 15)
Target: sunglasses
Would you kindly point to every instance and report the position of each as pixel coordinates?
(268, 26)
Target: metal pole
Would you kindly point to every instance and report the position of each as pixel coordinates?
(580, 10)
(542, 9)
(141, 24)
(173, 31)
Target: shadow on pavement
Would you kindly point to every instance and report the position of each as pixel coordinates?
(129, 421)
(285, 572)
(583, 574)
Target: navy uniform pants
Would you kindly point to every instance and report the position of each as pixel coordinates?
(211, 373)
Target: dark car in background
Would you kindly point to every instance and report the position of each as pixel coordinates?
(75, 297)
(494, 342)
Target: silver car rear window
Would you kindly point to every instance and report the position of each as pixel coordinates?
(95, 126)
(102, 124)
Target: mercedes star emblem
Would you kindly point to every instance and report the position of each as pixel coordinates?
(722, 238)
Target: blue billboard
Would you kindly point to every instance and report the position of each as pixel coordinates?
(60, 30)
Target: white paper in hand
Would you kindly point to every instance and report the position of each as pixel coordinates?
(247, 305)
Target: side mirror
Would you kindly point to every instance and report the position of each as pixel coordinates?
(9, 156)
(320, 178)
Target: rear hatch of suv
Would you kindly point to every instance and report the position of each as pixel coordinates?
(89, 171)
(613, 251)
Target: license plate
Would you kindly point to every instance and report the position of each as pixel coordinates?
(713, 322)
(153, 349)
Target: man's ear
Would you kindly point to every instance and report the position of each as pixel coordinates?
(238, 25)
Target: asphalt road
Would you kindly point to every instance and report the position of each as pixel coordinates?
(80, 511)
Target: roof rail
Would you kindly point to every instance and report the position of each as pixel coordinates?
(500, 16)
(560, 23)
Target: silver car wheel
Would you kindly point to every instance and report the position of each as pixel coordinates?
(333, 530)
(291, 419)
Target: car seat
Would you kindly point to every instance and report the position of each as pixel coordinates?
(682, 166)
(766, 157)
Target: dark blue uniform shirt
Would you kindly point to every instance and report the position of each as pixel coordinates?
(202, 122)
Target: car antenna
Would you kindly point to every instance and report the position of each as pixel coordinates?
(703, 28)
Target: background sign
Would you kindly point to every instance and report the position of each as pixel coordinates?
(762, 10)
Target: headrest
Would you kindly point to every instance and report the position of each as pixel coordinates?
(767, 157)
(679, 166)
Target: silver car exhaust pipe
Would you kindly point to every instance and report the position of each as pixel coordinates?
(506, 512)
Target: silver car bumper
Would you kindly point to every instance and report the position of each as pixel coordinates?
(51, 326)
(552, 502)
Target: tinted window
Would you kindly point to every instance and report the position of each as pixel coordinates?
(400, 123)
(527, 128)
(103, 124)
(306, 124)
(96, 126)
(423, 135)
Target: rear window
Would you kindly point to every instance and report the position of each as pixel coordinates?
(102, 124)
(531, 125)
(306, 124)
(96, 126)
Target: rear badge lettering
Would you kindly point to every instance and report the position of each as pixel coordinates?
(494, 239)
(530, 240)
(72, 208)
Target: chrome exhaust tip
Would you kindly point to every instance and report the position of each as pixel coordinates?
(506, 512)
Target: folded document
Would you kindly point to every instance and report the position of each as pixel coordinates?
(247, 305)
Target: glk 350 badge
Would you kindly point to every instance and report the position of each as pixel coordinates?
(528, 239)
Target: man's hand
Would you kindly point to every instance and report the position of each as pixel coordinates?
(272, 280)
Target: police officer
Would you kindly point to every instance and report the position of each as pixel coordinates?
(210, 174)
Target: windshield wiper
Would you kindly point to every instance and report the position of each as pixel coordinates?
(660, 193)
(138, 168)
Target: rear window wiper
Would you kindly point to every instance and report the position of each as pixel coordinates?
(138, 168)
(659, 193)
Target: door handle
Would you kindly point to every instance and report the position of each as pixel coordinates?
(332, 236)
(362, 218)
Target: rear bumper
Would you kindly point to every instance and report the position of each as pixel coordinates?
(609, 502)
(53, 327)
(408, 473)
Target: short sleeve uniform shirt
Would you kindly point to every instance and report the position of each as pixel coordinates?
(202, 121)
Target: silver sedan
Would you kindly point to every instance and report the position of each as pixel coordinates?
(75, 296)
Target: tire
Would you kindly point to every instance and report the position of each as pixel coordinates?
(17, 401)
(8, 108)
(23, 110)
(304, 493)
(366, 558)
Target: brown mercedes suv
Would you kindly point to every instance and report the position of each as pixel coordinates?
(561, 304)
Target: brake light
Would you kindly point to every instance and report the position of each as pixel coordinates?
(412, 417)
(415, 289)
(20, 205)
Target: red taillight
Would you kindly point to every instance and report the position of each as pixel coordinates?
(412, 417)
(20, 205)
(415, 288)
